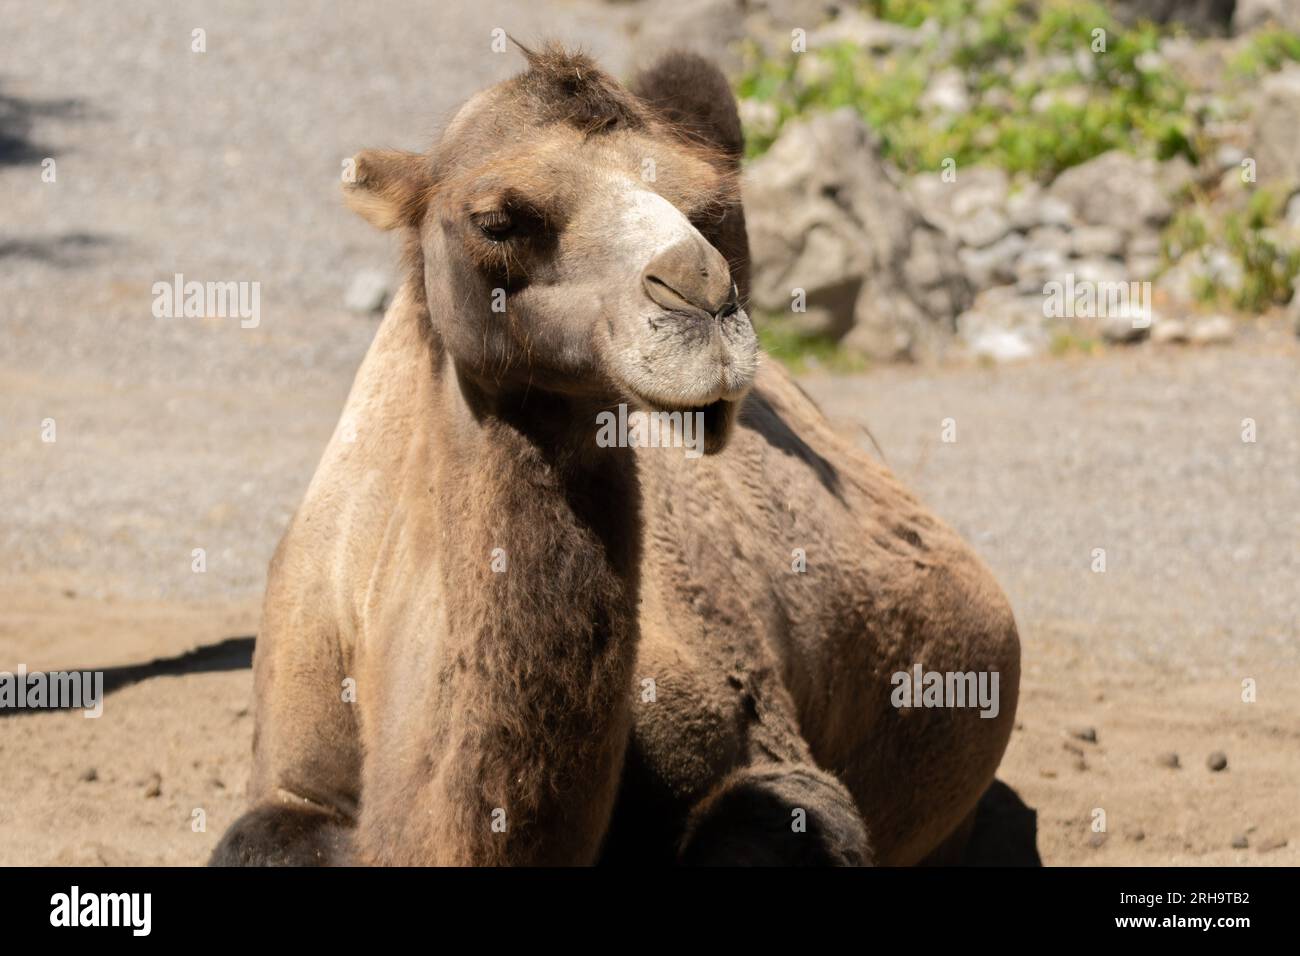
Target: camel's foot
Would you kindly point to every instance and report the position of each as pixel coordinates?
(776, 815)
(278, 835)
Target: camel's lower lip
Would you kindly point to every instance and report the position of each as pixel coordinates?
(714, 417)
(713, 408)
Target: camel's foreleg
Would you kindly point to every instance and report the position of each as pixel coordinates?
(284, 835)
(776, 814)
(306, 751)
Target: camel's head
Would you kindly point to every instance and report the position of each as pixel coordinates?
(578, 237)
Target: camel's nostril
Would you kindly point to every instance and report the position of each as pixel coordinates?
(689, 276)
(662, 294)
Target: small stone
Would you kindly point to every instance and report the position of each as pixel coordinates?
(1168, 759)
(1080, 765)
(983, 227)
(1218, 330)
(369, 292)
(1217, 761)
(216, 783)
(1169, 331)
(153, 787)
(1269, 844)
(1125, 326)
(947, 92)
(1097, 241)
(1229, 157)
(1047, 774)
(1240, 841)
(993, 264)
(89, 775)
(1086, 734)
(1143, 268)
(1073, 748)
(1144, 244)
(1054, 238)
(1036, 267)
(1134, 834)
(1003, 345)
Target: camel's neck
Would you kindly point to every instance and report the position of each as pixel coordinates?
(540, 553)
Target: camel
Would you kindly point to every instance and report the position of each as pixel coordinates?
(490, 639)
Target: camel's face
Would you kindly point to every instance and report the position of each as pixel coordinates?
(566, 244)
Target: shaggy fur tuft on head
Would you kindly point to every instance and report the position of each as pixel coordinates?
(569, 88)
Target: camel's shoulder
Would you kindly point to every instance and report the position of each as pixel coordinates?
(363, 481)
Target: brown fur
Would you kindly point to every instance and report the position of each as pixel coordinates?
(483, 691)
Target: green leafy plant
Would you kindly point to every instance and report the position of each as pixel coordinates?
(1266, 51)
(1077, 105)
(800, 352)
(1247, 236)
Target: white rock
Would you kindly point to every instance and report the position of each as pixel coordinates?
(1144, 244)
(1115, 189)
(1229, 156)
(1054, 238)
(982, 228)
(1168, 331)
(994, 264)
(1216, 330)
(1030, 207)
(1223, 269)
(1252, 14)
(1293, 213)
(1143, 268)
(946, 92)
(1036, 267)
(368, 292)
(1274, 121)
(825, 215)
(866, 33)
(1097, 241)
(1125, 327)
(1003, 345)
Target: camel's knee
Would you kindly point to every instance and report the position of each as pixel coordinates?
(777, 815)
(280, 835)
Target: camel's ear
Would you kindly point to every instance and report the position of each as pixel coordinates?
(388, 187)
(692, 92)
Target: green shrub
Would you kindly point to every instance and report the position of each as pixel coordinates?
(1267, 50)
(1127, 102)
(800, 352)
(1246, 235)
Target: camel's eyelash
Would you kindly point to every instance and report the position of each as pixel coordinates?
(710, 212)
(495, 224)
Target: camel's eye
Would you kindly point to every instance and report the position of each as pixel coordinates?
(497, 225)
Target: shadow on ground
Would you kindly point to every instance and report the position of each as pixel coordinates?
(232, 654)
(1005, 832)
(17, 117)
(66, 251)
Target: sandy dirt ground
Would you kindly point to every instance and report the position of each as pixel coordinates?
(181, 434)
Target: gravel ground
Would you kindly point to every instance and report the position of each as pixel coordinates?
(176, 434)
